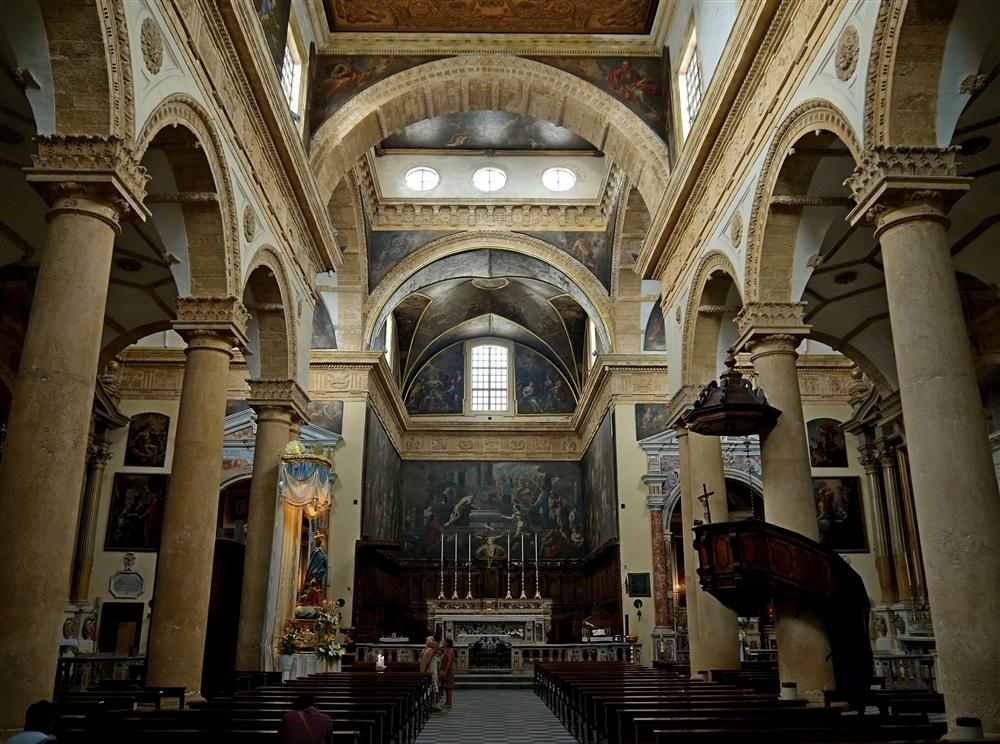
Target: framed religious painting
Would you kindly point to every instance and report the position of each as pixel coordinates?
(147, 440)
(827, 448)
(136, 512)
(839, 514)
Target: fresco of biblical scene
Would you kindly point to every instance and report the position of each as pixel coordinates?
(575, 319)
(538, 386)
(638, 82)
(481, 500)
(388, 248)
(380, 505)
(324, 335)
(340, 78)
(650, 420)
(839, 514)
(147, 440)
(439, 386)
(327, 414)
(599, 488)
(273, 16)
(655, 337)
(136, 512)
(827, 448)
(592, 249)
(486, 130)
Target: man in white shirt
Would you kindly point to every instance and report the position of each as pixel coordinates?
(38, 722)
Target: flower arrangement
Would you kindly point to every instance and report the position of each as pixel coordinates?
(288, 641)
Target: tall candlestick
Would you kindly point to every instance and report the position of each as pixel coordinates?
(441, 592)
(507, 596)
(523, 595)
(454, 587)
(468, 585)
(538, 593)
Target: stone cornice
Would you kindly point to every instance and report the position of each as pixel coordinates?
(892, 176)
(228, 57)
(105, 165)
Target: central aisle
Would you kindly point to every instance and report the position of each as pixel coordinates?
(495, 717)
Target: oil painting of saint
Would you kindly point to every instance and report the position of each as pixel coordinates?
(839, 514)
(827, 448)
(136, 512)
(147, 440)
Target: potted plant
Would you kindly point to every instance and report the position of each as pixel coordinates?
(288, 644)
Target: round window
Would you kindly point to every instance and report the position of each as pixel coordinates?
(422, 178)
(559, 179)
(489, 179)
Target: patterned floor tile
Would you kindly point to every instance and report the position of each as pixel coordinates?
(495, 717)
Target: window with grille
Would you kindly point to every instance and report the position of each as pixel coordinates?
(489, 372)
(691, 83)
(291, 79)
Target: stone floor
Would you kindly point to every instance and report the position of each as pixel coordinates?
(495, 717)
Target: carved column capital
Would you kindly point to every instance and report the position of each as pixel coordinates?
(771, 327)
(868, 459)
(212, 321)
(884, 453)
(98, 456)
(270, 398)
(894, 184)
(78, 171)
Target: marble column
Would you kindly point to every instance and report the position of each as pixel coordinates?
(880, 535)
(211, 327)
(692, 592)
(772, 331)
(277, 404)
(886, 455)
(661, 567)
(98, 457)
(720, 632)
(91, 183)
(906, 192)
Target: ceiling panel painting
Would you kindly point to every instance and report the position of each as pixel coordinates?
(592, 249)
(492, 16)
(486, 130)
(388, 248)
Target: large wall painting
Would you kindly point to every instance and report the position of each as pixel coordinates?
(274, 16)
(489, 500)
(439, 386)
(147, 440)
(327, 414)
(340, 78)
(638, 82)
(324, 335)
(839, 514)
(538, 386)
(599, 486)
(592, 249)
(827, 448)
(387, 248)
(650, 419)
(655, 337)
(380, 505)
(136, 512)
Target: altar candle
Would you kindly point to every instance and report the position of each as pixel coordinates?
(508, 550)
(470, 547)
(536, 547)
(456, 551)
(522, 547)
(442, 548)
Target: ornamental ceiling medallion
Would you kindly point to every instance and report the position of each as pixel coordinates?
(492, 16)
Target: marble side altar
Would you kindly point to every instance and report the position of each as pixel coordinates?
(523, 620)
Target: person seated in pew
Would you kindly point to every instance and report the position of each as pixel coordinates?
(39, 720)
(305, 724)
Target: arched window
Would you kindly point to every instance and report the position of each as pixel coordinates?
(489, 373)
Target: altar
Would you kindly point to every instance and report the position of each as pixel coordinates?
(467, 620)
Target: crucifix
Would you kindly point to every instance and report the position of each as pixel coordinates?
(704, 500)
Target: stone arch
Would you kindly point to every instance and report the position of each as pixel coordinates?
(907, 50)
(377, 305)
(268, 296)
(89, 50)
(700, 340)
(498, 82)
(213, 272)
(814, 115)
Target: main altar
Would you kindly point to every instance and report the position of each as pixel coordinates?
(466, 620)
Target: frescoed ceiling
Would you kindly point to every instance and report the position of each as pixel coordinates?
(530, 312)
(492, 16)
(486, 130)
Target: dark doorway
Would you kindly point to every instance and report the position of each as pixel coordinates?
(121, 628)
(227, 586)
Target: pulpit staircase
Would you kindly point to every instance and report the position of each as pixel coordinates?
(748, 563)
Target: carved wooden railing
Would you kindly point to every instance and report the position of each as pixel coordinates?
(746, 564)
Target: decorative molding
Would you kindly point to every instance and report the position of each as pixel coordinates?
(709, 264)
(888, 177)
(736, 229)
(224, 316)
(846, 59)
(116, 47)
(284, 394)
(105, 165)
(152, 46)
(880, 63)
(760, 320)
